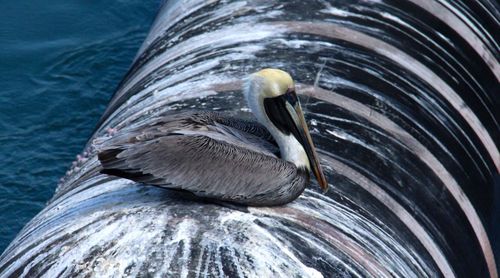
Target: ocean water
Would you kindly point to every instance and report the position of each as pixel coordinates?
(60, 62)
(60, 65)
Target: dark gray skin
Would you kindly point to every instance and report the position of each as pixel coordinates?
(382, 85)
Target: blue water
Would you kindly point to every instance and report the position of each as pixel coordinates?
(60, 62)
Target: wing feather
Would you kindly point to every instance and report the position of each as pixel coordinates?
(211, 160)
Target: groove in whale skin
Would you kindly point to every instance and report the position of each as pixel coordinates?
(400, 97)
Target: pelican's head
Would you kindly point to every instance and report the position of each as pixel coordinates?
(270, 93)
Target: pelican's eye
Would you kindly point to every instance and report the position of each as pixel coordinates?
(291, 97)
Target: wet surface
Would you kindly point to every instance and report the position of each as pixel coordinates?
(401, 105)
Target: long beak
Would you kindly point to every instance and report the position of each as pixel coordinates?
(285, 113)
(308, 143)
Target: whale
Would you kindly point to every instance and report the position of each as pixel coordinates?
(401, 98)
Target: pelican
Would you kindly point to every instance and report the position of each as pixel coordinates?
(224, 158)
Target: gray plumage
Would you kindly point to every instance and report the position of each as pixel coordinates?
(208, 154)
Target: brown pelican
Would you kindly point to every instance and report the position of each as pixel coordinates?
(224, 158)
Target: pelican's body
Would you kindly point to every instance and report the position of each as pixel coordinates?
(219, 157)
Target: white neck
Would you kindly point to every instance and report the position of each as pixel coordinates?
(291, 150)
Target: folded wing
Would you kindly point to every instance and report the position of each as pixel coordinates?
(207, 157)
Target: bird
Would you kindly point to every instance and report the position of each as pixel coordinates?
(215, 156)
